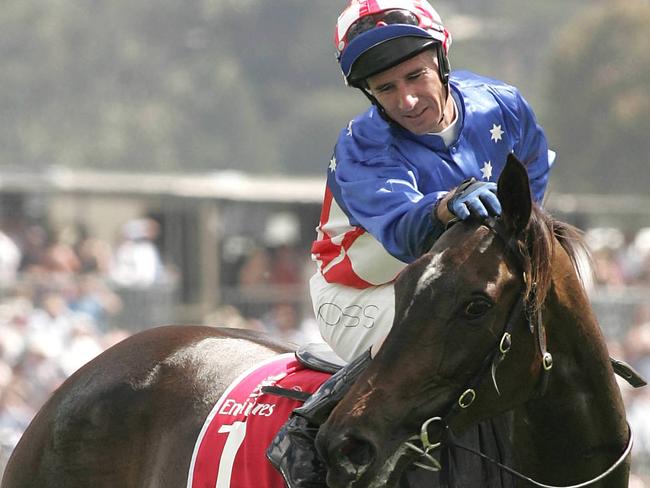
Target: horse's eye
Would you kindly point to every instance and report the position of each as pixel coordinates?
(477, 308)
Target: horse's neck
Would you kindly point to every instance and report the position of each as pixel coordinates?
(578, 426)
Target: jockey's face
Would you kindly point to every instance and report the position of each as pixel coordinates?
(413, 95)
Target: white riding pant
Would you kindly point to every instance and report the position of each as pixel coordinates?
(352, 320)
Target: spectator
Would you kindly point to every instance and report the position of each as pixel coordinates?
(32, 239)
(137, 259)
(253, 282)
(282, 321)
(10, 257)
(95, 299)
(229, 316)
(82, 346)
(95, 255)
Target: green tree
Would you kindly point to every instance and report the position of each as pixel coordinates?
(200, 85)
(599, 99)
(167, 85)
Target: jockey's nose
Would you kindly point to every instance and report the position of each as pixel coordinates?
(407, 100)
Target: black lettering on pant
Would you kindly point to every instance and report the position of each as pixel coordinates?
(351, 316)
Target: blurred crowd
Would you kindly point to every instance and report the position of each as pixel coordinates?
(59, 291)
(621, 271)
(57, 295)
(621, 259)
(62, 295)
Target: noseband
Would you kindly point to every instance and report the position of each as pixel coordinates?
(527, 307)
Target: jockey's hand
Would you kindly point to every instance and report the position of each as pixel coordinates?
(471, 197)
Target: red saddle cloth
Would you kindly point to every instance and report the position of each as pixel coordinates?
(230, 449)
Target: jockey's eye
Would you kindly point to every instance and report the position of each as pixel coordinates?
(477, 308)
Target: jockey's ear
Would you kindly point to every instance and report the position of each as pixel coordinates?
(513, 191)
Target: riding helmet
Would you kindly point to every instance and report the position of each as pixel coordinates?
(375, 35)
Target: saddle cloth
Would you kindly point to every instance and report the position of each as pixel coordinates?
(230, 449)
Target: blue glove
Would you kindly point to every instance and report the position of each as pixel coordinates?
(476, 198)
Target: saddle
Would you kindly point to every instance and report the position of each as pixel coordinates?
(317, 357)
(320, 357)
(231, 445)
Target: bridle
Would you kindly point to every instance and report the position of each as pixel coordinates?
(533, 317)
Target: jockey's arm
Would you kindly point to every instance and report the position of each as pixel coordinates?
(383, 197)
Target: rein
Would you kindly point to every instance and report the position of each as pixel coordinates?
(536, 327)
(427, 447)
(517, 474)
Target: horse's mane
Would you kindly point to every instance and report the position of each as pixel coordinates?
(538, 247)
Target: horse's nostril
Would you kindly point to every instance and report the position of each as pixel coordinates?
(359, 452)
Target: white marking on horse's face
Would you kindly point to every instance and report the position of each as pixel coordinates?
(433, 271)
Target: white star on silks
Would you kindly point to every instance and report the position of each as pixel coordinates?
(333, 164)
(487, 170)
(350, 128)
(496, 133)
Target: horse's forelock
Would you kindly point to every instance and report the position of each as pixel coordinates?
(543, 232)
(537, 248)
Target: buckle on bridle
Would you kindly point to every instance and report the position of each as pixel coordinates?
(547, 361)
(506, 343)
(467, 398)
(434, 465)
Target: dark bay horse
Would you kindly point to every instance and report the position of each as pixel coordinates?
(493, 319)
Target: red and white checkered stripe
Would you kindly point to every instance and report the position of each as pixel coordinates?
(429, 19)
(348, 255)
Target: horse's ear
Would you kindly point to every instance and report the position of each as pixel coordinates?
(513, 191)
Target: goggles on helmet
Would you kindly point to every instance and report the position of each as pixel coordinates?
(386, 17)
(373, 35)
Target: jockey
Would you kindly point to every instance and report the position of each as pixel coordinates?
(429, 149)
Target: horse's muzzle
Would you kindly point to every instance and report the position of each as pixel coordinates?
(349, 457)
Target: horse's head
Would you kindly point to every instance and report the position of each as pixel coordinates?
(453, 308)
